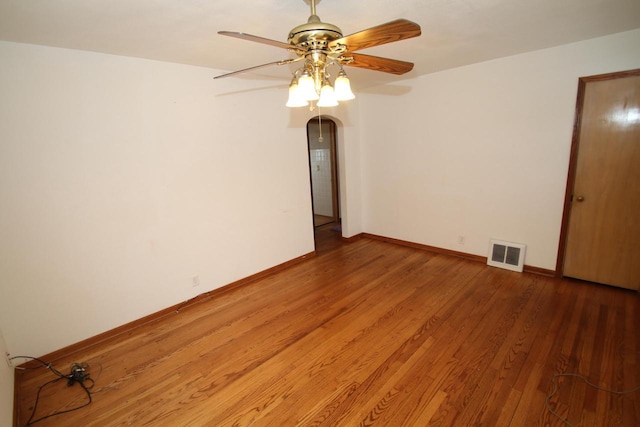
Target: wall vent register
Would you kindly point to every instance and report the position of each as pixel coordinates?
(506, 255)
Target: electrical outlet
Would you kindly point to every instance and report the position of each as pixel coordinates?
(195, 281)
(8, 358)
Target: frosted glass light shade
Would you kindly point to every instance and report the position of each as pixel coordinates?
(343, 87)
(327, 96)
(307, 87)
(295, 97)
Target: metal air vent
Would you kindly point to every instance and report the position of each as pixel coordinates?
(506, 255)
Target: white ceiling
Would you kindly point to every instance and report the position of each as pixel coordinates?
(454, 32)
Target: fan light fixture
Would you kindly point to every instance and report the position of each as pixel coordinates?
(305, 89)
(320, 45)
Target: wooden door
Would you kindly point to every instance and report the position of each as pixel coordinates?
(603, 235)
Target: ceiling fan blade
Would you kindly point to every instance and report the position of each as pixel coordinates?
(283, 62)
(393, 31)
(378, 63)
(245, 36)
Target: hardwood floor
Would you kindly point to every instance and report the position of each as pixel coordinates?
(320, 220)
(366, 333)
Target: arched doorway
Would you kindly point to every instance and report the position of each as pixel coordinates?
(323, 166)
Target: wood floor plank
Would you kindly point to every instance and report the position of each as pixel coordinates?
(365, 333)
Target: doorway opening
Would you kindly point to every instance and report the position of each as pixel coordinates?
(323, 167)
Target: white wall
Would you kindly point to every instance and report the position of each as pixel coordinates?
(121, 179)
(481, 151)
(350, 168)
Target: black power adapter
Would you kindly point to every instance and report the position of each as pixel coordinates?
(78, 374)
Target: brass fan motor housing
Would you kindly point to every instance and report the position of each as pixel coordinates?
(319, 44)
(314, 35)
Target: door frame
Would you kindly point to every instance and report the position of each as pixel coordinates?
(573, 159)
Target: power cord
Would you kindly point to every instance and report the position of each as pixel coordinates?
(556, 387)
(77, 374)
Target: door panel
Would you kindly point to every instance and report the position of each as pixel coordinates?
(603, 236)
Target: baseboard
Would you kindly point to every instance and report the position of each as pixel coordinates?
(206, 296)
(128, 327)
(540, 271)
(426, 247)
(471, 257)
(352, 238)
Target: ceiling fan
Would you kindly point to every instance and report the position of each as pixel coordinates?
(319, 45)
